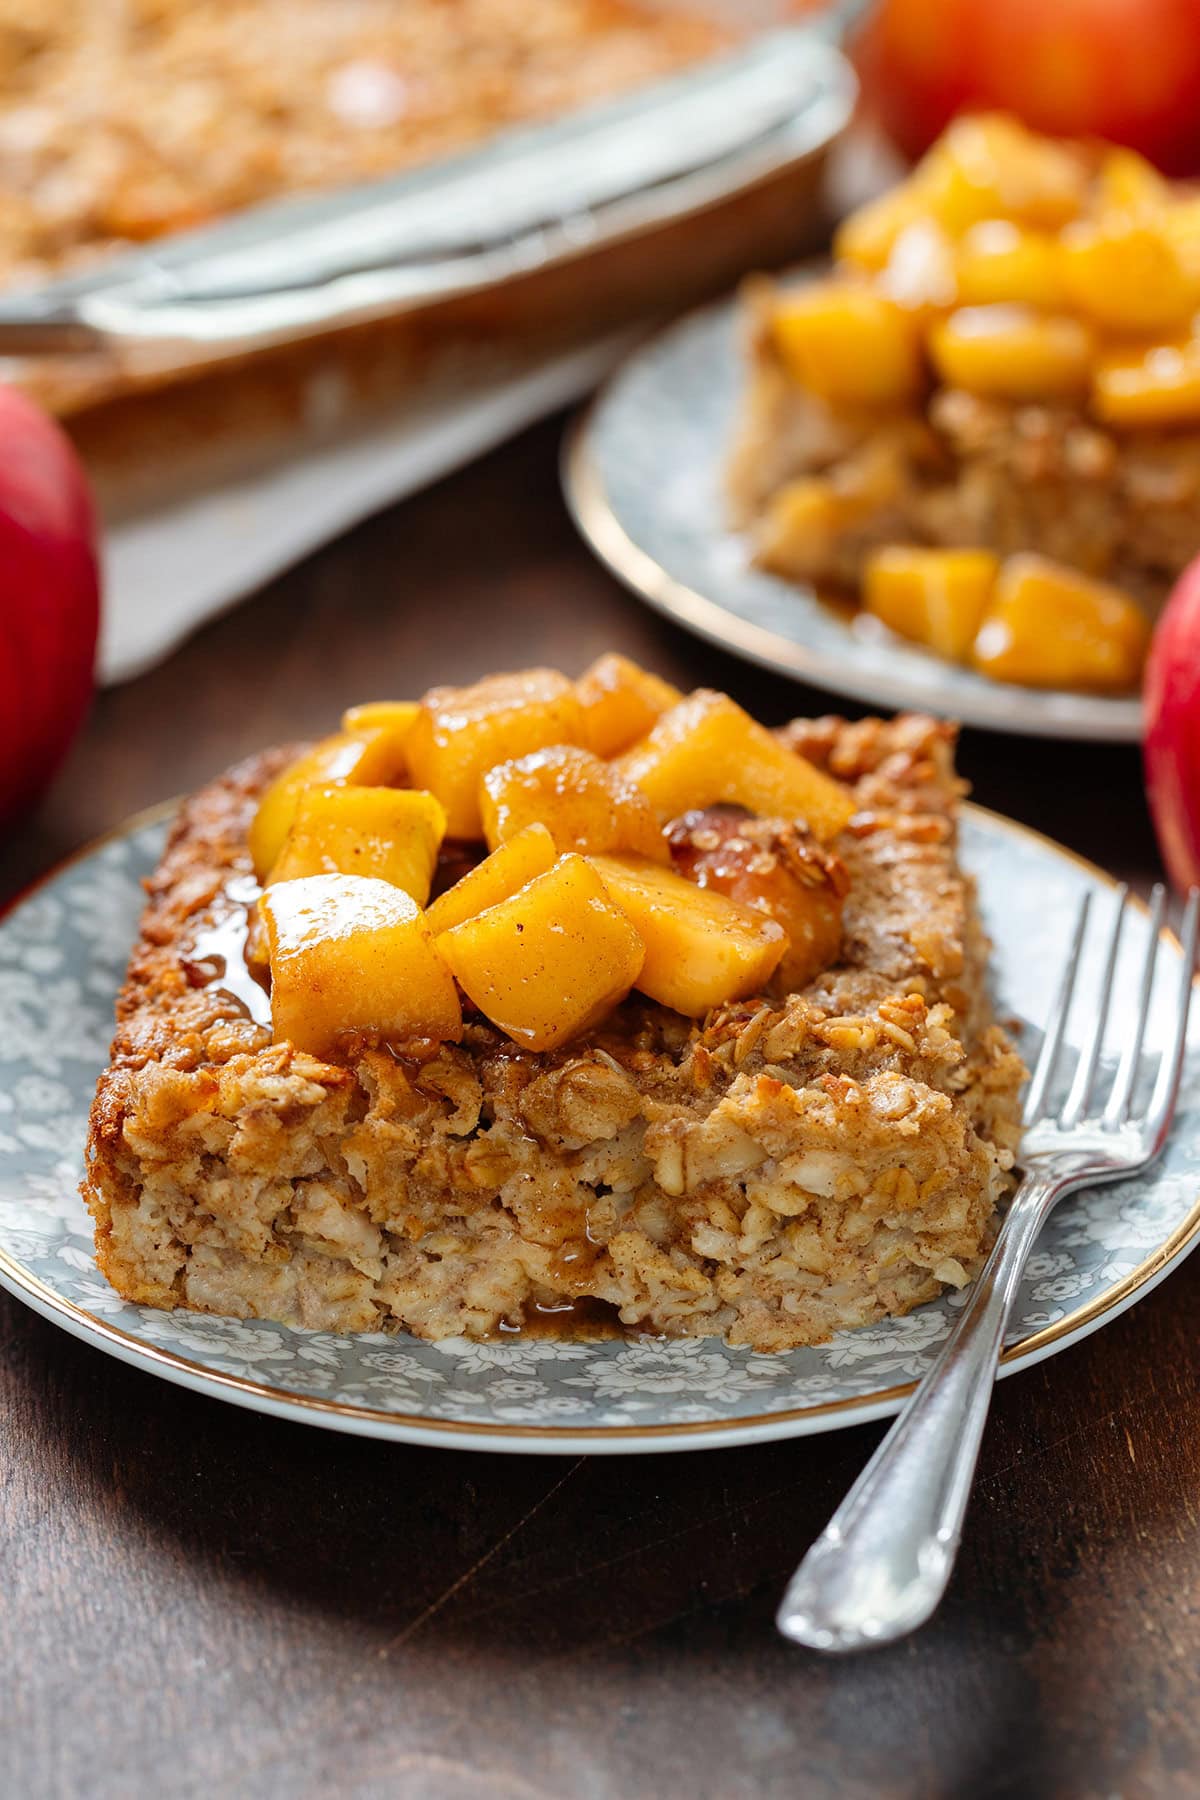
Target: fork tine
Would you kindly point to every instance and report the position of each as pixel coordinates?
(1089, 1056)
(1043, 1074)
(1166, 1082)
(1117, 1110)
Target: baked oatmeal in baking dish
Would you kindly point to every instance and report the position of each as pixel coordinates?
(985, 420)
(126, 121)
(545, 992)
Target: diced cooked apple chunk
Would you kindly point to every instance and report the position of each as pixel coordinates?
(921, 273)
(584, 803)
(462, 732)
(989, 166)
(1150, 385)
(707, 750)
(364, 759)
(999, 263)
(509, 867)
(1013, 352)
(868, 235)
(850, 344)
(934, 597)
(620, 702)
(352, 956)
(702, 948)
(396, 716)
(391, 834)
(774, 869)
(1129, 185)
(1049, 626)
(1126, 275)
(1180, 225)
(550, 961)
(803, 522)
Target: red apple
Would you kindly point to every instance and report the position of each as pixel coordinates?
(49, 599)
(1171, 694)
(1126, 70)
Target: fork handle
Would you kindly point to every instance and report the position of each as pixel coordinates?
(883, 1562)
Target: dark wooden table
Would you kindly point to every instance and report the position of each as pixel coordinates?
(198, 1601)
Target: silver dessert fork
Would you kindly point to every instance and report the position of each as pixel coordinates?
(882, 1564)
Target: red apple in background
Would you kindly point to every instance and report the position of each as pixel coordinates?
(1171, 694)
(49, 599)
(1128, 70)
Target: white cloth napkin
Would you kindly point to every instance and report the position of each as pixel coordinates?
(169, 570)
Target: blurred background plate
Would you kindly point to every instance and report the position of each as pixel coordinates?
(643, 474)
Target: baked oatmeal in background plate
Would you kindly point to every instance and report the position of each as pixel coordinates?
(1003, 364)
(807, 1155)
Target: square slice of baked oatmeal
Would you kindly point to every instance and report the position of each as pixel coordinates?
(787, 1165)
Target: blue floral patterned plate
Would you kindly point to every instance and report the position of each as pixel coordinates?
(62, 953)
(643, 475)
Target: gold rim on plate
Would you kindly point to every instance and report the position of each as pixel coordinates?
(21, 1281)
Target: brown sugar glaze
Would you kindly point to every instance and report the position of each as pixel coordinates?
(580, 1321)
(217, 954)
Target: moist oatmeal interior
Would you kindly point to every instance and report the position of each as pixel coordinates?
(771, 1174)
